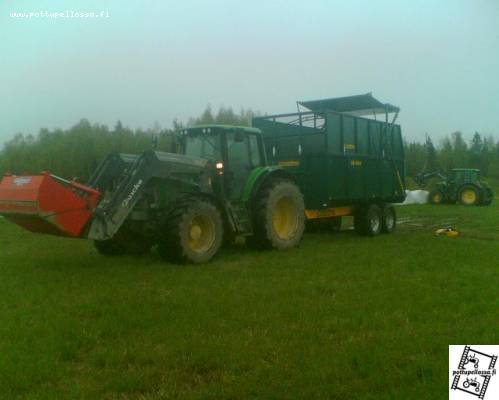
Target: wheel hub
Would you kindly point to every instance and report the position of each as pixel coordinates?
(285, 218)
(375, 223)
(468, 196)
(201, 234)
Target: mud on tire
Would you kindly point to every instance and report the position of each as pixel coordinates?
(278, 216)
(192, 233)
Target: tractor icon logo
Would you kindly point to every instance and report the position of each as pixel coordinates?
(472, 359)
(473, 383)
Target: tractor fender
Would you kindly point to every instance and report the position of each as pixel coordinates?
(259, 176)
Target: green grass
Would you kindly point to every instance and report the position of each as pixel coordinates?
(341, 317)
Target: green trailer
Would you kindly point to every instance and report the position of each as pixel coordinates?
(346, 155)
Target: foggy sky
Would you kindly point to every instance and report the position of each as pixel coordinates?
(159, 60)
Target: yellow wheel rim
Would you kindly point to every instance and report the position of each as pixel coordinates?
(201, 234)
(468, 196)
(285, 218)
(437, 198)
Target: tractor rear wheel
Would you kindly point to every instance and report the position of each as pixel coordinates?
(436, 197)
(468, 196)
(193, 233)
(279, 216)
(487, 196)
(389, 219)
(368, 220)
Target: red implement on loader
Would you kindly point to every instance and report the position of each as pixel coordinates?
(48, 204)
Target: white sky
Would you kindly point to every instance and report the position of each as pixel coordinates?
(160, 60)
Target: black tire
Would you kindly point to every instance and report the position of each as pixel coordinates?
(124, 242)
(368, 220)
(487, 197)
(468, 196)
(278, 216)
(110, 247)
(389, 221)
(436, 197)
(192, 233)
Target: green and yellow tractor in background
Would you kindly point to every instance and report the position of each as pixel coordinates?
(461, 185)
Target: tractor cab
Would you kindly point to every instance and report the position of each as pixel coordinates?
(234, 151)
(460, 176)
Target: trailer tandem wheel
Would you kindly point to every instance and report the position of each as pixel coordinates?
(389, 219)
(368, 220)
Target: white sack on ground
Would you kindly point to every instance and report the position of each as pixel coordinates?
(416, 197)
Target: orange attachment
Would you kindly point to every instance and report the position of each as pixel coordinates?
(48, 204)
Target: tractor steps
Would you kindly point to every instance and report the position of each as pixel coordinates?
(241, 218)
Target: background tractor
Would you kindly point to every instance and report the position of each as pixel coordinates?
(226, 181)
(461, 185)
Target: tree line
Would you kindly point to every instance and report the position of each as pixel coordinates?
(76, 152)
(454, 151)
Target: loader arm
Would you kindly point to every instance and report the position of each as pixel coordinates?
(110, 169)
(113, 210)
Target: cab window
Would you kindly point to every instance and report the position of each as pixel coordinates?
(243, 151)
(203, 145)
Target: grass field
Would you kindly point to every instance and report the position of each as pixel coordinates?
(341, 317)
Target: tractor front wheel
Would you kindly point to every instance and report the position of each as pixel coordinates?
(110, 247)
(278, 216)
(468, 196)
(193, 233)
(125, 241)
(436, 197)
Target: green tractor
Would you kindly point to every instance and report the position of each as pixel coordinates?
(462, 185)
(217, 186)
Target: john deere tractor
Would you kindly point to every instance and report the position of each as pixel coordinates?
(217, 185)
(461, 185)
